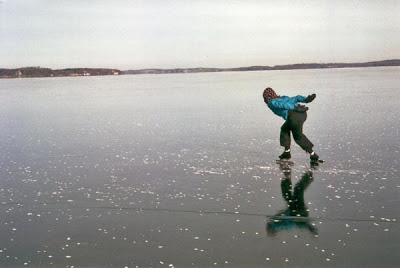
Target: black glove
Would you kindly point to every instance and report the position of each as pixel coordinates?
(300, 109)
(310, 98)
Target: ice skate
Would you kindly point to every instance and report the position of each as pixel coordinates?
(314, 158)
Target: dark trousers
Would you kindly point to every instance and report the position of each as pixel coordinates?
(294, 124)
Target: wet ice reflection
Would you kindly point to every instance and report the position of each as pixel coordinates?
(296, 213)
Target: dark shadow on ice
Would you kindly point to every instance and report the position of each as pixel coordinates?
(296, 213)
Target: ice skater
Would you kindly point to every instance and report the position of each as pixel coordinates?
(295, 115)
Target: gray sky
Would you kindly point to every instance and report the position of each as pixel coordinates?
(135, 34)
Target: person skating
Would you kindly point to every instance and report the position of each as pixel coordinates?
(295, 115)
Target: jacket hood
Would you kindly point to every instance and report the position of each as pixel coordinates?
(269, 94)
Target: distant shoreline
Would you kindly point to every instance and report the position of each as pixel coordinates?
(30, 72)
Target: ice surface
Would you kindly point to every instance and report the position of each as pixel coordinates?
(179, 171)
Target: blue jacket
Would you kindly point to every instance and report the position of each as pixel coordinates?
(280, 106)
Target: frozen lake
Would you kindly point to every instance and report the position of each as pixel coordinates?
(179, 171)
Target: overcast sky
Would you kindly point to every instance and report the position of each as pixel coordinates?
(134, 34)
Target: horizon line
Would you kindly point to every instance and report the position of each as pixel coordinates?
(200, 67)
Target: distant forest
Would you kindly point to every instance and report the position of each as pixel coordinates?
(267, 68)
(46, 72)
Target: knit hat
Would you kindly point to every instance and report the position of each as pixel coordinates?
(269, 94)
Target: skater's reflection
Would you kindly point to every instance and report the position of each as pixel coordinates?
(296, 213)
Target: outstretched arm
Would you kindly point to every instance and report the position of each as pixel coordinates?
(300, 98)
